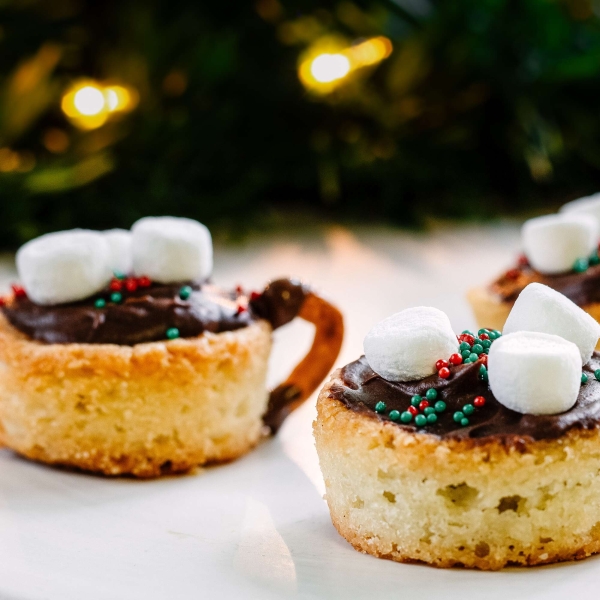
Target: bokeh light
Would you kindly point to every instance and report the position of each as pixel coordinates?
(326, 68)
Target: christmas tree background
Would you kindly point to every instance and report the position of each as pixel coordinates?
(468, 109)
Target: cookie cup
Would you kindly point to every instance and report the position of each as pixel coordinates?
(145, 410)
(485, 503)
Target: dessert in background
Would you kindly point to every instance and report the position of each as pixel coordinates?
(119, 356)
(560, 251)
(480, 450)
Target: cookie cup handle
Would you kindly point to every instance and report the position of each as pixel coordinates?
(314, 367)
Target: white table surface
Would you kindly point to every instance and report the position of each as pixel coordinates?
(259, 528)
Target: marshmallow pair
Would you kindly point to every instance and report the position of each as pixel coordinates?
(535, 367)
(67, 266)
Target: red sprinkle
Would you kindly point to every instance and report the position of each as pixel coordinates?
(479, 401)
(254, 296)
(241, 309)
(444, 372)
(465, 337)
(456, 359)
(484, 336)
(18, 291)
(131, 284)
(116, 285)
(413, 410)
(144, 281)
(512, 274)
(440, 364)
(2, 301)
(483, 359)
(423, 404)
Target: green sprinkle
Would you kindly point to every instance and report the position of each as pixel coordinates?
(119, 275)
(172, 333)
(477, 349)
(594, 259)
(486, 343)
(482, 331)
(468, 409)
(380, 407)
(464, 422)
(406, 417)
(429, 410)
(420, 420)
(431, 418)
(116, 297)
(458, 416)
(416, 400)
(100, 303)
(498, 333)
(494, 334)
(431, 394)
(483, 374)
(597, 374)
(468, 332)
(466, 353)
(486, 350)
(474, 356)
(185, 292)
(464, 346)
(467, 361)
(440, 406)
(581, 265)
(394, 415)
(584, 378)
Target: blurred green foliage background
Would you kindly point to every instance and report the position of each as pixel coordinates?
(484, 107)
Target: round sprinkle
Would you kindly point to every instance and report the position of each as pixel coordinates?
(172, 333)
(464, 346)
(594, 259)
(466, 331)
(486, 344)
(394, 415)
(119, 275)
(493, 335)
(116, 285)
(431, 418)
(484, 336)
(100, 303)
(431, 394)
(483, 374)
(479, 401)
(467, 361)
(584, 378)
(185, 292)
(444, 372)
(429, 410)
(458, 416)
(116, 297)
(477, 349)
(581, 265)
(423, 404)
(406, 417)
(486, 350)
(468, 409)
(466, 353)
(420, 420)
(455, 359)
(464, 422)
(482, 331)
(440, 406)
(440, 364)
(416, 400)
(474, 356)
(413, 410)
(597, 374)
(380, 407)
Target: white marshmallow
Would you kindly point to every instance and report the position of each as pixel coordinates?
(121, 257)
(540, 308)
(534, 373)
(589, 205)
(554, 242)
(406, 346)
(64, 266)
(171, 249)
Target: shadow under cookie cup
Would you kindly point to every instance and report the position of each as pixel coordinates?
(488, 503)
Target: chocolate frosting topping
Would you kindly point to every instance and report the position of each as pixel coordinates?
(147, 313)
(581, 288)
(363, 389)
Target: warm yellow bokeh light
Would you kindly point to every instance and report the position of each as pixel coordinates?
(89, 104)
(323, 68)
(89, 101)
(326, 68)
